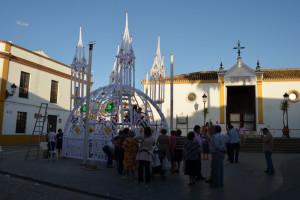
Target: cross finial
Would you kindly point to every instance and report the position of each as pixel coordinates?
(239, 48)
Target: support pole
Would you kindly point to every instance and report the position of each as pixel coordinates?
(171, 102)
(204, 114)
(147, 84)
(87, 112)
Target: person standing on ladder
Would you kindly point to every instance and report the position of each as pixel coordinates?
(51, 141)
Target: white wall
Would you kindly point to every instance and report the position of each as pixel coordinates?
(40, 60)
(39, 92)
(272, 96)
(185, 107)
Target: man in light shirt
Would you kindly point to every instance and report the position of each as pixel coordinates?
(51, 140)
(217, 148)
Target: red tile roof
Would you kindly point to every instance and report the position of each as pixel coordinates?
(268, 74)
(271, 74)
(196, 76)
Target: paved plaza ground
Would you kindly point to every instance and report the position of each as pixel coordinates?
(66, 179)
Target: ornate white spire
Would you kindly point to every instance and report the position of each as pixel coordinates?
(157, 77)
(113, 73)
(78, 73)
(158, 50)
(158, 62)
(80, 38)
(79, 62)
(126, 61)
(162, 71)
(125, 46)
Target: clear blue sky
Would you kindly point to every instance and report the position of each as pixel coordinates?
(199, 33)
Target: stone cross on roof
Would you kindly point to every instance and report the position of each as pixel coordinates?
(239, 48)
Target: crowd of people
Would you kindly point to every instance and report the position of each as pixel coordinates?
(175, 153)
(166, 153)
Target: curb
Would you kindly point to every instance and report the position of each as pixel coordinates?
(60, 186)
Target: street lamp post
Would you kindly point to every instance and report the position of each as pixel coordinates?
(204, 98)
(12, 92)
(286, 98)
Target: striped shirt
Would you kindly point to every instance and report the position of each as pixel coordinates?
(192, 150)
(179, 142)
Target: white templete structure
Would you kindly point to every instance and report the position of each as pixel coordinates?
(112, 108)
(78, 74)
(157, 77)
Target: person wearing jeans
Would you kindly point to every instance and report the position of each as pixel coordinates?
(267, 148)
(217, 149)
(109, 155)
(142, 164)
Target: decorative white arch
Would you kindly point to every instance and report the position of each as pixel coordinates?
(107, 120)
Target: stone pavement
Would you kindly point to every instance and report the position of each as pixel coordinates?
(66, 179)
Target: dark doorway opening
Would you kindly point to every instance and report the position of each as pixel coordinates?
(52, 120)
(241, 106)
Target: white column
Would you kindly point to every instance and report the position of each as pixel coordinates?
(71, 90)
(171, 102)
(146, 84)
(87, 112)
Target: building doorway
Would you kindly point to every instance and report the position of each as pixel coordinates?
(241, 106)
(52, 120)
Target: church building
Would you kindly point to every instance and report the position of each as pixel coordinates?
(241, 94)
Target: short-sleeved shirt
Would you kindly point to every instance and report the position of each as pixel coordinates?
(52, 136)
(192, 150)
(242, 131)
(145, 151)
(179, 142)
(234, 136)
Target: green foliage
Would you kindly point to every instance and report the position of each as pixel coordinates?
(284, 105)
(205, 111)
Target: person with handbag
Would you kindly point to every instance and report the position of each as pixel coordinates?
(145, 154)
(164, 151)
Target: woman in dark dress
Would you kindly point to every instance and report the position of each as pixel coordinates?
(59, 139)
(192, 157)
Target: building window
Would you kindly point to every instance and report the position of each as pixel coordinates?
(21, 122)
(24, 85)
(53, 93)
(191, 97)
